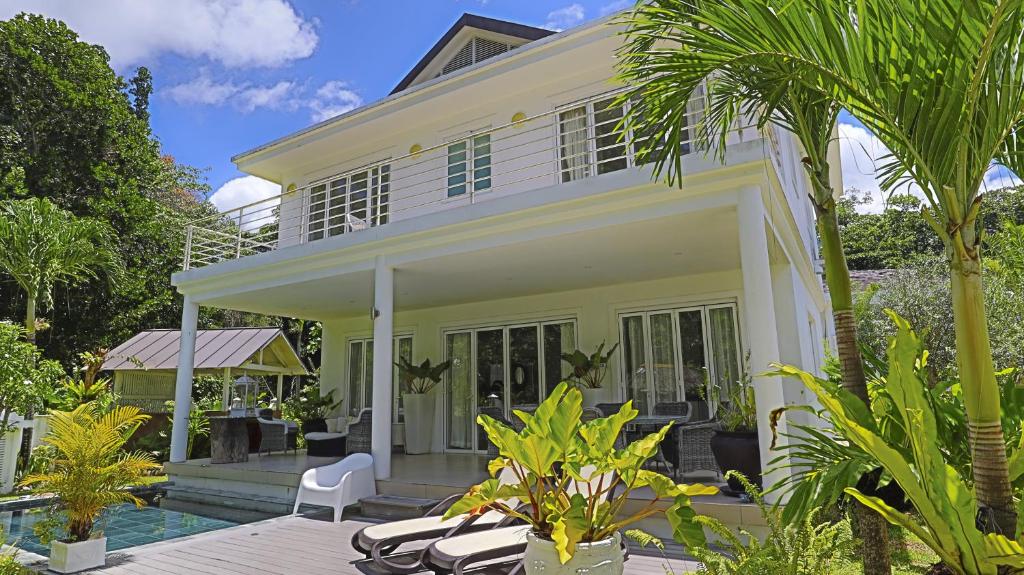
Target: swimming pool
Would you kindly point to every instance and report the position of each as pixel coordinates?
(124, 525)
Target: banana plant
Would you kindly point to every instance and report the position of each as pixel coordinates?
(572, 480)
(423, 377)
(945, 505)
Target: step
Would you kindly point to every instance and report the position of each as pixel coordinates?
(395, 507)
(215, 511)
(229, 499)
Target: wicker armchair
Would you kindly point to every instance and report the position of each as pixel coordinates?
(590, 414)
(275, 434)
(693, 447)
(693, 411)
(358, 440)
(607, 409)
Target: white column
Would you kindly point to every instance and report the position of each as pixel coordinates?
(280, 390)
(383, 322)
(225, 393)
(183, 383)
(759, 314)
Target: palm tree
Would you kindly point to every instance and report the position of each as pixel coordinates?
(941, 83)
(42, 245)
(676, 48)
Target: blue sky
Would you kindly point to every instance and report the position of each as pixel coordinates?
(232, 74)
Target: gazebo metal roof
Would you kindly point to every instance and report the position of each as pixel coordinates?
(264, 350)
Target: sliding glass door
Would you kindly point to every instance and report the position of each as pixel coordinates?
(674, 354)
(503, 368)
(360, 375)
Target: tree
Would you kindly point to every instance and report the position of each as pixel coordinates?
(26, 379)
(676, 47)
(42, 245)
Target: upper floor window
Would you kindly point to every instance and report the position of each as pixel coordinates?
(593, 139)
(351, 202)
(469, 165)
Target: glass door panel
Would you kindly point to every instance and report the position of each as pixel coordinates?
(634, 357)
(559, 338)
(490, 374)
(461, 391)
(691, 344)
(724, 348)
(402, 350)
(524, 368)
(663, 359)
(354, 401)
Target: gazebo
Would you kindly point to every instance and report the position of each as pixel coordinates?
(146, 365)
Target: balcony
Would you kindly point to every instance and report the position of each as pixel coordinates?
(584, 140)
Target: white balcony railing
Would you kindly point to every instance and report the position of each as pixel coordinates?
(580, 141)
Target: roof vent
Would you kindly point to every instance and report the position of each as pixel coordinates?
(476, 50)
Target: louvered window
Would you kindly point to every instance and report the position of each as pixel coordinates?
(349, 203)
(469, 165)
(476, 50)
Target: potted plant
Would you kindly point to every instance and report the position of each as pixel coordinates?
(588, 371)
(311, 408)
(91, 472)
(418, 402)
(735, 444)
(575, 484)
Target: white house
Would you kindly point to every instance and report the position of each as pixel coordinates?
(487, 212)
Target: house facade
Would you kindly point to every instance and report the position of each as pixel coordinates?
(490, 212)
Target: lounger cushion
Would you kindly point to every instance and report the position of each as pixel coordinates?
(445, 552)
(374, 533)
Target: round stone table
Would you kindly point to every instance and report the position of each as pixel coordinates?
(229, 440)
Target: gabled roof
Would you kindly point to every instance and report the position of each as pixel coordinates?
(504, 27)
(215, 349)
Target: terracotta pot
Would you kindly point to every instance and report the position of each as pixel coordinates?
(78, 556)
(597, 558)
(738, 451)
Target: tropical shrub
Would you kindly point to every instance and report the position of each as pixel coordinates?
(904, 446)
(551, 453)
(26, 379)
(420, 378)
(589, 371)
(308, 404)
(92, 471)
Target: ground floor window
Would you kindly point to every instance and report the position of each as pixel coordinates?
(360, 375)
(679, 354)
(502, 368)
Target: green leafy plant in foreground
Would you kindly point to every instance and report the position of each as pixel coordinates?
(945, 505)
(555, 452)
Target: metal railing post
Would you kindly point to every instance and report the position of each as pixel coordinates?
(188, 247)
(238, 245)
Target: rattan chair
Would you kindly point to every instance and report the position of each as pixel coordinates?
(358, 440)
(607, 409)
(693, 446)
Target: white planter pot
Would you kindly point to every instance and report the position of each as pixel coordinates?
(75, 557)
(598, 558)
(592, 396)
(419, 422)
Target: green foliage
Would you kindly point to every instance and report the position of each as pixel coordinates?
(739, 411)
(308, 404)
(26, 379)
(945, 505)
(9, 564)
(805, 547)
(92, 471)
(423, 377)
(589, 371)
(555, 452)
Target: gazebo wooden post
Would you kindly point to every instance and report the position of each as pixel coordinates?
(226, 391)
(280, 390)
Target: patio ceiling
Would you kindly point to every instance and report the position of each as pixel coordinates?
(678, 245)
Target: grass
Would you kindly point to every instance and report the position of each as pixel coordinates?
(909, 556)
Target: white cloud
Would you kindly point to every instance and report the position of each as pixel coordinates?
(333, 99)
(235, 33)
(244, 191)
(861, 155)
(330, 99)
(566, 17)
(616, 6)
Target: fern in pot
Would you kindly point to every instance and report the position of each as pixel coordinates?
(417, 382)
(575, 483)
(589, 371)
(90, 473)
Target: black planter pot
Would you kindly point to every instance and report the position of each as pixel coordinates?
(313, 425)
(737, 451)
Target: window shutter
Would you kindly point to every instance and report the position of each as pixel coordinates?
(475, 50)
(462, 58)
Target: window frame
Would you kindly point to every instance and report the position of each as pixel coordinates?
(470, 170)
(339, 194)
(367, 370)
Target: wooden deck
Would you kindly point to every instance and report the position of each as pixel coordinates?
(290, 546)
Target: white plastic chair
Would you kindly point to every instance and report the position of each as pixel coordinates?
(337, 485)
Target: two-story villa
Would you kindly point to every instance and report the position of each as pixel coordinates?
(488, 212)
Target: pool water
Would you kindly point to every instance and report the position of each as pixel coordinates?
(124, 525)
